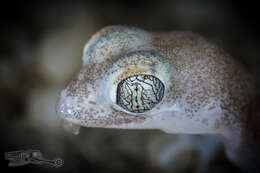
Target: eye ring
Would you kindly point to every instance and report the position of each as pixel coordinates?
(139, 93)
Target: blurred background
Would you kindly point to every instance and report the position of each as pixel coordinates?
(41, 45)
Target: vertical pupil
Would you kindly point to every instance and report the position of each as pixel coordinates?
(139, 93)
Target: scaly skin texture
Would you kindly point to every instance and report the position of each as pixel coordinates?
(206, 90)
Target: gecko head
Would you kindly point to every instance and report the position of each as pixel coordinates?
(122, 83)
(135, 79)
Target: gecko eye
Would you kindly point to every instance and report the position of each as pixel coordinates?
(139, 93)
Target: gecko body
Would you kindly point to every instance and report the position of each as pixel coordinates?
(202, 89)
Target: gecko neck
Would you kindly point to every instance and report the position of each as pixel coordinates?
(232, 136)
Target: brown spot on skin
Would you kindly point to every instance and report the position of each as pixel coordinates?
(92, 102)
(205, 121)
(217, 124)
(212, 107)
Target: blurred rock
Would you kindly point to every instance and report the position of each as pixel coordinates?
(60, 49)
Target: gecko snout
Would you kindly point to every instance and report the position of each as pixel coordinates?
(64, 109)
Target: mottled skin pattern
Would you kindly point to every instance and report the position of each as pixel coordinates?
(206, 91)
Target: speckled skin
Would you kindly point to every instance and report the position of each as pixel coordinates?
(206, 91)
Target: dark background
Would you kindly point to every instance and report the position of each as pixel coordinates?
(40, 51)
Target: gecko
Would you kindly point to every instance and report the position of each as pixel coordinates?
(178, 82)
